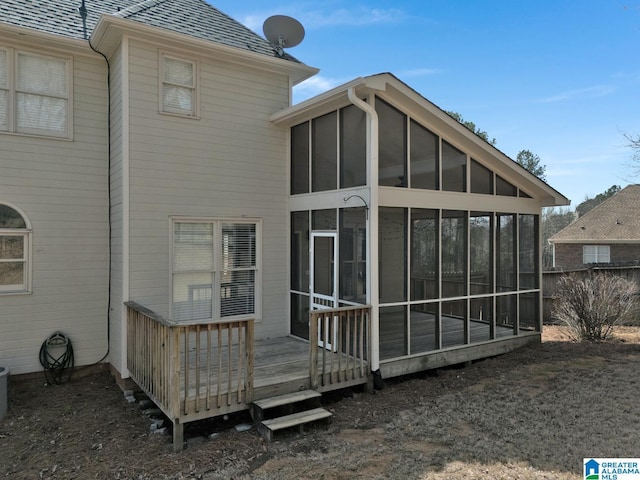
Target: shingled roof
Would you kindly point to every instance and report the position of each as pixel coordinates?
(189, 17)
(615, 220)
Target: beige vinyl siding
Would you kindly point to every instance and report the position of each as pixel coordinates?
(116, 308)
(61, 186)
(228, 163)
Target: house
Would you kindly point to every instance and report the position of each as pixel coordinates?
(165, 206)
(607, 234)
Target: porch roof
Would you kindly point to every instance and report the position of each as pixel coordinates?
(409, 100)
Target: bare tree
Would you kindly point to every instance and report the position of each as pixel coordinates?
(593, 305)
(634, 145)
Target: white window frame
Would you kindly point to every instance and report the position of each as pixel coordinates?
(194, 87)
(12, 92)
(25, 233)
(217, 267)
(598, 253)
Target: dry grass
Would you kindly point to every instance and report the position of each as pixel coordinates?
(531, 414)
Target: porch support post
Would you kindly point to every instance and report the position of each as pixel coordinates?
(372, 227)
(178, 436)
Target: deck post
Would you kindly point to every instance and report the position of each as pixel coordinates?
(174, 375)
(178, 435)
(313, 350)
(250, 353)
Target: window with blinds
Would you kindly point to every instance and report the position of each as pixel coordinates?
(178, 89)
(34, 93)
(215, 267)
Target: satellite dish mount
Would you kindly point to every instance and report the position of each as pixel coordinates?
(283, 32)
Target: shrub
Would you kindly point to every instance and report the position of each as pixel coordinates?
(592, 305)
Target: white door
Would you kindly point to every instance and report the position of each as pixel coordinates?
(324, 281)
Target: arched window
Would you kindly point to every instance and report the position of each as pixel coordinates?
(15, 250)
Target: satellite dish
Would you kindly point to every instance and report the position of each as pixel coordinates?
(283, 32)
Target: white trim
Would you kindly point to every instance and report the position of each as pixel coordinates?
(601, 241)
(109, 29)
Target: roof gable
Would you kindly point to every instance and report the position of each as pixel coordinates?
(390, 88)
(613, 221)
(195, 18)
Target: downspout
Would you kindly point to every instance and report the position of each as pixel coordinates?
(83, 13)
(372, 228)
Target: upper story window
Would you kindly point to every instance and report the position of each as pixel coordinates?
(15, 246)
(178, 88)
(596, 254)
(35, 93)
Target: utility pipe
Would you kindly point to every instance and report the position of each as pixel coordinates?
(372, 227)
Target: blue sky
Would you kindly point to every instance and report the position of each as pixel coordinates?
(558, 77)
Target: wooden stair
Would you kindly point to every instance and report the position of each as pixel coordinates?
(287, 411)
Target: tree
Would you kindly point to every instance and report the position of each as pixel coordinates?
(634, 144)
(472, 126)
(526, 158)
(531, 162)
(590, 203)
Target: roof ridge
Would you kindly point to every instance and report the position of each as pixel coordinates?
(607, 200)
(598, 223)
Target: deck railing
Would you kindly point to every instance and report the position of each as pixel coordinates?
(190, 370)
(339, 346)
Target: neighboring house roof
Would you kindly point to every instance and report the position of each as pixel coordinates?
(391, 87)
(615, 220)
(195, 18)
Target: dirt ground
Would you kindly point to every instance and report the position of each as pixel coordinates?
(531, 414)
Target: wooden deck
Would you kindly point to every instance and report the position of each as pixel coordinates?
(194, 371)
(280, 365)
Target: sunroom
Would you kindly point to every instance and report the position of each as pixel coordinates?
(396, 205)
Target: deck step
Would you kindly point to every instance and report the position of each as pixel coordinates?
(280, 405)
(285, 411)
(268, 427)
(286, 399)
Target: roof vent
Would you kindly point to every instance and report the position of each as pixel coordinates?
(283, 32)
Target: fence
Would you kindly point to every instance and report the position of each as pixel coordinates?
(550, 281)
